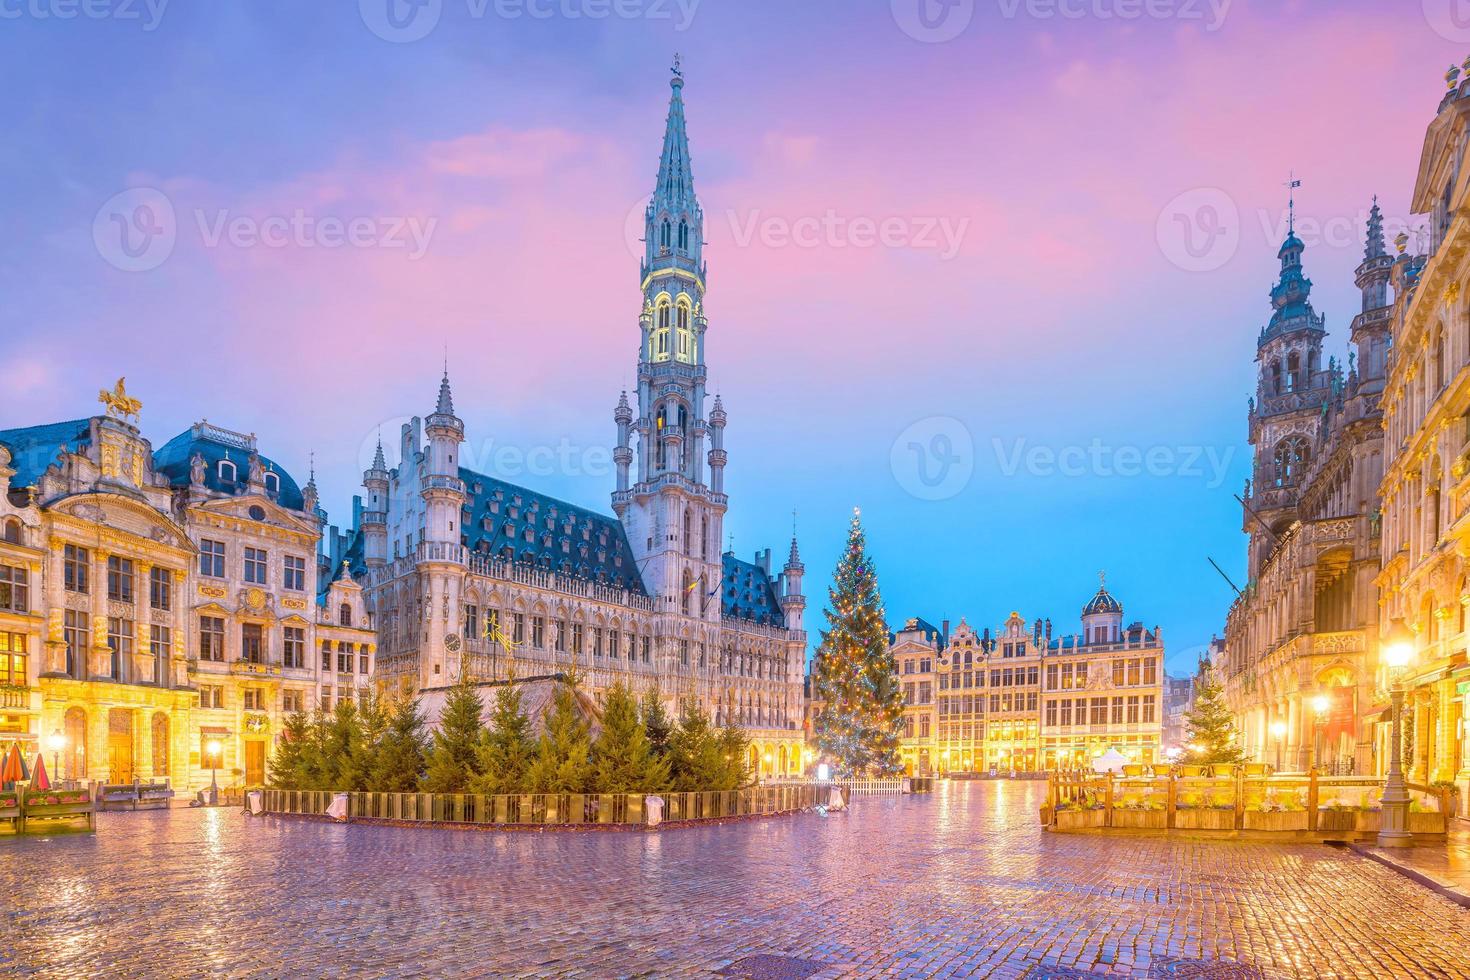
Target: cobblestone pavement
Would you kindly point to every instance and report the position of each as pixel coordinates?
(961, 883)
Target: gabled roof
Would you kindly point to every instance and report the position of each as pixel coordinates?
(564, 538)
(932, 633)
(34, 448)
(747, 592)
(173, 461)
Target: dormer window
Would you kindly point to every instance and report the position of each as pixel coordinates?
(272, 483)
(227, 472)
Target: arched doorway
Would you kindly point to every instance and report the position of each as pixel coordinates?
(74, 765)
(781, 761)
(755, 760)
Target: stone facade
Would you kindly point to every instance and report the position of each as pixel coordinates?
(170, 600)
(1023, 700)
(1426, 483)
(469, 573)
(1297, 636)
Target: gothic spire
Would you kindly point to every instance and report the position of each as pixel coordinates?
(675, 187)
(446, 401)
(379, 463)
(1374, 246)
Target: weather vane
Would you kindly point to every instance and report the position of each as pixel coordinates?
(1292, 183)
(678, 70)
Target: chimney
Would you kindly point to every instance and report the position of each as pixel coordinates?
(1048, 630)
(946, 631)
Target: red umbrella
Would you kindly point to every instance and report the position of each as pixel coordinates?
(13, 768)
(39, 780)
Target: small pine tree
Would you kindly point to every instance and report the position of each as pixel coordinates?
(454, 758)
(1211, 730)
(316, 767)
(735, 750)
(854, 675)
(341, 745)
(623, 757)
(563, 763)
(694, 749)
(656, 721)
(372, 719)
(288, 764)
(398, 763)
(507, 746)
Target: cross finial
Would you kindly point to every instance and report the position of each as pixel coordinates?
(1292, 183)
(1102, 579)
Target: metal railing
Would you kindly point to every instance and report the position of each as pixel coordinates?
(541, 809)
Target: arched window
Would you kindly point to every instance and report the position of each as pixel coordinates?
(226, 471)
(12, 530)
(1293, 371)
(664, 234)
(1275, 377)
(344, 614)
(683, 236)
(1439, 366)
(685, 335)
(273, 483)
(1291, 460)
(659, 343)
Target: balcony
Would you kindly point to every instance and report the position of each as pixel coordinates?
(246, 668)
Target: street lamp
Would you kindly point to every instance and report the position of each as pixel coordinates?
(56, 742)
(1278, 732)
(212, 749)
(1396, 652)
(1320, 704)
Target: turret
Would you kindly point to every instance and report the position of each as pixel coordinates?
(1102, 617)
(442, 489)
(623, 454)
(1370, 331)
(717, 456)
(375, 510)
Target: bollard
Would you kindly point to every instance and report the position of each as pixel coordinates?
(653, 808)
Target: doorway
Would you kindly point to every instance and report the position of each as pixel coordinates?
(254, 762)
(120, 746)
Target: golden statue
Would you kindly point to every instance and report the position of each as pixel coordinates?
(119, 404)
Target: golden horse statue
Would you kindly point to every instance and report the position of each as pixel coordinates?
(120, 405)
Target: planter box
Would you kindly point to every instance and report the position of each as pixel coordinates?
(1203, 819)
(1079, 819)
(1426, 823)
(1284, 820)
(1141, 819)
(1357, 821)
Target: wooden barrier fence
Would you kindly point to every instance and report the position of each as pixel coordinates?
(1236, 798)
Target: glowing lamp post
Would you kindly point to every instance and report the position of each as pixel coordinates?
(1396, 652)
(212, 750)
(1278, 734)
(56, 742)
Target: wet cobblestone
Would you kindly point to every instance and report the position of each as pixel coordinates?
(963, 883)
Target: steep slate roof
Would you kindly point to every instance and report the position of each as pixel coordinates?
(36, 447)
(931, 632)
(578, 542)
(172, 460)
(747, 592)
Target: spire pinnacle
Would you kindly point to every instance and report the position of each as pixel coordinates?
(378, 462)
(1292, 183)
(1374, 246)
(675, 187)
(446, 400)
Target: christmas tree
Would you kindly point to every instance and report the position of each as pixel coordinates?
(289, 764)
(623, 757)
(507, 746)
(453, 760)
(398, 762)
(1211, 731)
(562, 763)
(854, 675)
(699, 763)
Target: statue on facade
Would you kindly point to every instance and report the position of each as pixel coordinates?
(196, 469)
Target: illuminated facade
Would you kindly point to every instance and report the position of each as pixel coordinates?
(1023, 700)
(466, 571)
(162, 601)
(1426, 482)
(1297, 638)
